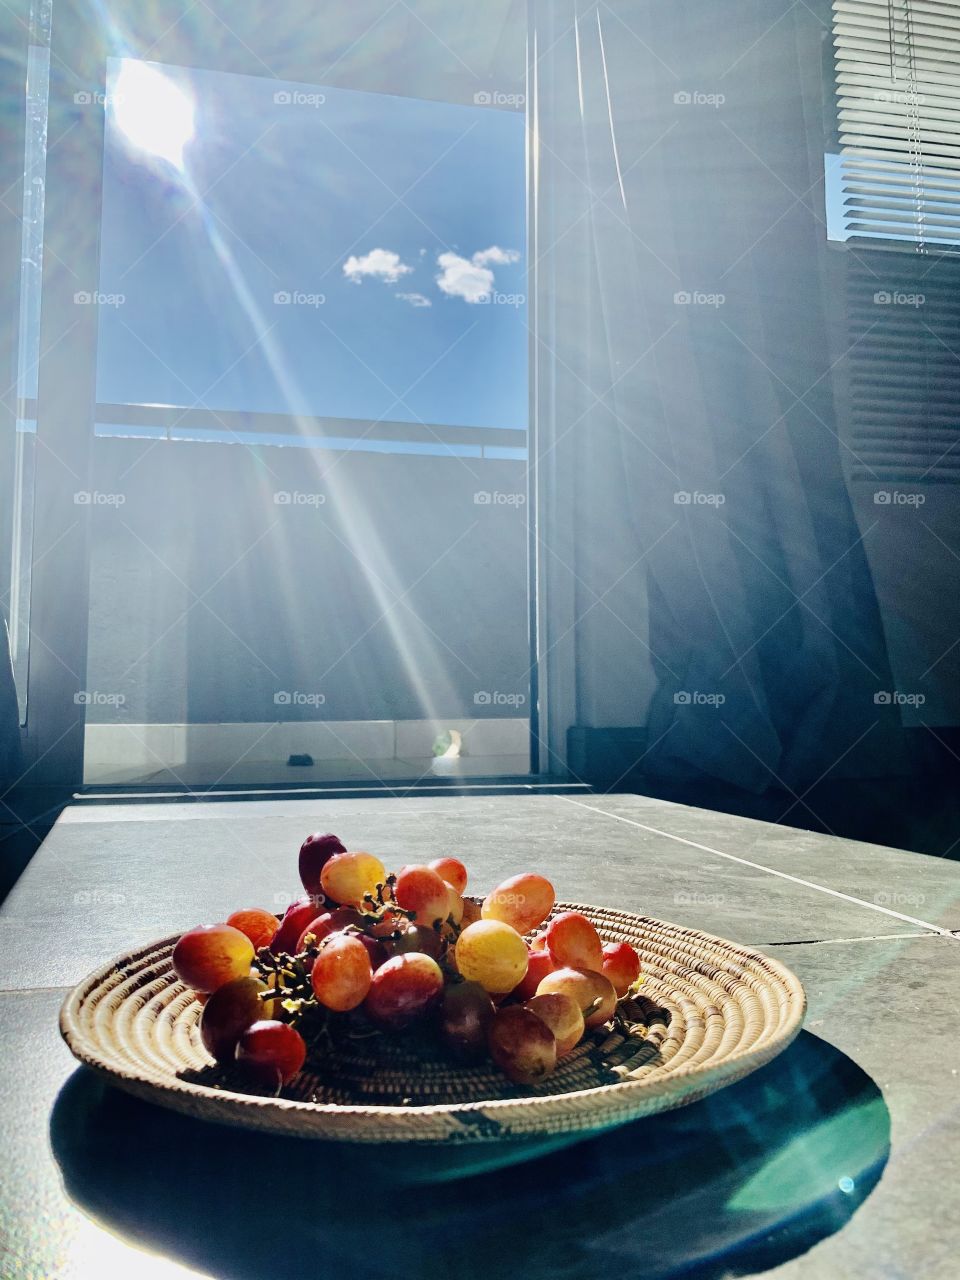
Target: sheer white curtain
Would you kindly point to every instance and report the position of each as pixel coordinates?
(682, 271)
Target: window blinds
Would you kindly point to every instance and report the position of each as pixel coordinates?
(896, 172)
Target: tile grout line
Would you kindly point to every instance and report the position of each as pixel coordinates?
(758, 866)
(870, 937)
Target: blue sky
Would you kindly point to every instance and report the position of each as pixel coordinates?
(299, 199)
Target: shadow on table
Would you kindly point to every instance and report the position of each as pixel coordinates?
(739, 1182)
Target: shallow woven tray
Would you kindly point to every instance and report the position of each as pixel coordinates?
(710, 1012)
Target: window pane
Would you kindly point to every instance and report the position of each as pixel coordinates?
(377, 240)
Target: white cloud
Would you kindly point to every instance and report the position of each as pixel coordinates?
(379, 264)
(461, 278)
(499, 257)
(471, 278)
(415, 299)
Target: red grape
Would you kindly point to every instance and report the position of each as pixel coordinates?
(212, 954)
(315, 852)
(272, 1052)
(621, 964)
(562, 1015)
(349, 877)
(465, 1017)
(522, 902)
(416, 937)
(522, 1045)
(341, 973)
(403, 990)
(574, 942)
(317, 930)
(423, 891)
(259, 925)
(539, 964)
(298, 915)
(593, 993)
(452, 870)
(493, 954)
(227, 1014)
(375, 950)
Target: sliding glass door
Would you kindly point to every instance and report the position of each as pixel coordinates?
(283, 395)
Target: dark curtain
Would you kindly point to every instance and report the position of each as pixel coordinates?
(682, 142)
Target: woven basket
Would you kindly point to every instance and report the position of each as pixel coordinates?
(710, 1012)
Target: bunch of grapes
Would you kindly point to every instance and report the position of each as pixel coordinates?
(401, 952)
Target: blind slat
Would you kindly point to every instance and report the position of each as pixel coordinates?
(897, 172)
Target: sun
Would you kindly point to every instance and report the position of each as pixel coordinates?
(154, 114)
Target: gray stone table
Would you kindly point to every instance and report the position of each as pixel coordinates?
(840, 1159)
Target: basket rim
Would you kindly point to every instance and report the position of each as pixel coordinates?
(738, 1063)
